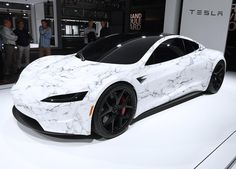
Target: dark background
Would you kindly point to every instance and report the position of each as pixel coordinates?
(116, 12)
(230, 52)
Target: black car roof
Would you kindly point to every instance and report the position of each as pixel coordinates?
(134, 36)
(138, 35)
(99, 49)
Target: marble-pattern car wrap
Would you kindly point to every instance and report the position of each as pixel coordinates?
(60, 75)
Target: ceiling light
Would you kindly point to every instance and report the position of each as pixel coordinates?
(7, 4)
(27, 6)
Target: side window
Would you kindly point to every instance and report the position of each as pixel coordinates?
(168, 50)
(190, 46)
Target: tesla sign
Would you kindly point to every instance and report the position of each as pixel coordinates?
(201, 12)
(136, 21)
(206, 21)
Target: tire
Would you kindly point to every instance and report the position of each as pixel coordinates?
(114, 110)
(217, 78)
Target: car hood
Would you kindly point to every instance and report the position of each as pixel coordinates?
(55, 75)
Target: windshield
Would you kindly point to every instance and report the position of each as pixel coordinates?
(118, 49)
(130, 52)
(98, 49)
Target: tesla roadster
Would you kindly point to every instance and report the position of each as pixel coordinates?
(112, 81)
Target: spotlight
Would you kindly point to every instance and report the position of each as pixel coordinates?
(24, 14)
(7, 4)
(27, 6)
(9, 13)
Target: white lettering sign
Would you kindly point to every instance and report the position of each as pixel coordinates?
(136, 21)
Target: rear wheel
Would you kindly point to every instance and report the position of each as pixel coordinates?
(114, 110)
(217, 78)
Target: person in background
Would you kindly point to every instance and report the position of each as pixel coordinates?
(45, 38)
(89, 33)
(105, 30)
(23, 44)
(9, 41)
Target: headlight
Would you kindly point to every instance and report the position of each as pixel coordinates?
(66, 98)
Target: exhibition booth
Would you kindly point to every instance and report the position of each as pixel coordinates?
(158, 91)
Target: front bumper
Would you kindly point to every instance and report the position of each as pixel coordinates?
(33, 124)
(27, 121)
(30, 122)
(66, 118)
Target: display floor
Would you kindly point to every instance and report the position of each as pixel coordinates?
(200, 133)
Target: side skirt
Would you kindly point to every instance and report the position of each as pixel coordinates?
(168, 105)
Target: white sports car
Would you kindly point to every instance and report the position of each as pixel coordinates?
(113, 81)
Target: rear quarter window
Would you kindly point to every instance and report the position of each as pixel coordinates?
(190, 46)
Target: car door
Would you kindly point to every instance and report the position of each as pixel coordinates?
(195, 69)
(161, 75)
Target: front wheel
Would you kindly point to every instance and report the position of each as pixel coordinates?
(217, 78)
(114, 110)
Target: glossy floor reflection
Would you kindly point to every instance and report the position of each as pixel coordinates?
(198, 133)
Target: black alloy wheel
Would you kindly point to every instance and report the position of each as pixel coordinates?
(114, 110)
(217, 78)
